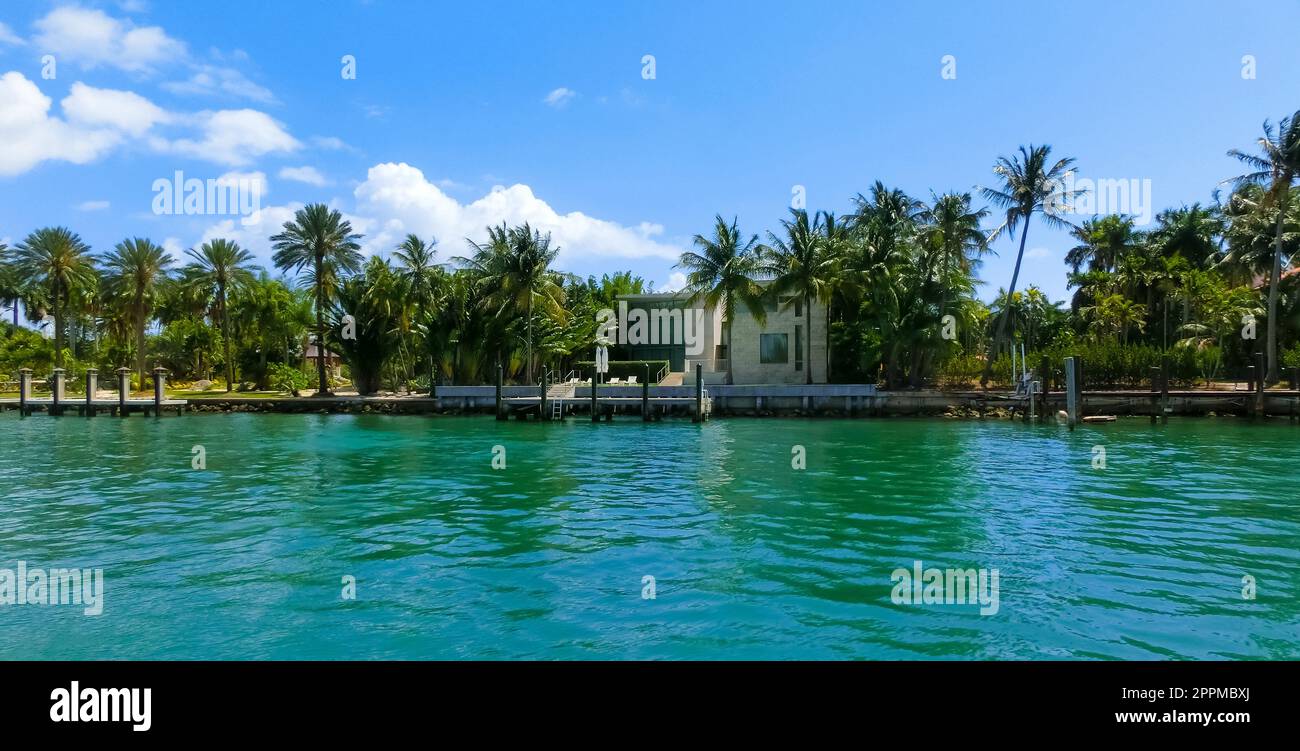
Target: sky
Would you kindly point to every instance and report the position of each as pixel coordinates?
(622, 128)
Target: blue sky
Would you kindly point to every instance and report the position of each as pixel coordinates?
(465, 113)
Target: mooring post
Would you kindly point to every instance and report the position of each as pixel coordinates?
(1260, 376)
(159, 390)
(1155, 393)
(645, 395)
(500, 379)
(92, 385)
(24, 390)
(595, 406)
(1164, 389)
(1072, 391)
(699, 393)
(541, 408)
(123, 391)
(56, 391)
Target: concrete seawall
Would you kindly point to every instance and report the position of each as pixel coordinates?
(834, 400)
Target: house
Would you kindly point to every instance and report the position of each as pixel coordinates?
(665, 326)
(333, 363)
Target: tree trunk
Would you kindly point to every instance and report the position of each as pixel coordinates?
(139, 341)
(1274, 282)
(528, 369)
(1002, 319)
(58, 327)
(324, 389)
(225, 339)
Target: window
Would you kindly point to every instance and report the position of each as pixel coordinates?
(798, 348)
(798, 311)
(773, 348)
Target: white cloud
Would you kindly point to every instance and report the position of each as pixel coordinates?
(210, 80)
(234, 138)
(397, 199)
(559, 97)
(1036, 253)
(309, 175)
(30, 135)
(676, 281)
(93, 206)
(122, 110)
(7, 36)
(329, 143)
(93, 38)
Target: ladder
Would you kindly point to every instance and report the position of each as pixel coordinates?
(557, 409)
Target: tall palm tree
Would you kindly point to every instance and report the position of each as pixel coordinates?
(1031, 184)
(220, 267)
(725, 272)
(1275, 167)
(801, 267)
(837, 241)
(321, 239)
(515, 264)
(54, 261)
(136, 271)
(951, 227)
(424, 280)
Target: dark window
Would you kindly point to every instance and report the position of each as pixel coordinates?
(798, 309)
(798, 347)
(773, 348)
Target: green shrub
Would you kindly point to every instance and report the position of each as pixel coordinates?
(288, 378)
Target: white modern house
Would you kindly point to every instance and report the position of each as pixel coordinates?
(774, 352)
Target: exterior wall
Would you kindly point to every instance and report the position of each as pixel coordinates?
(709, 338)
(746, 365)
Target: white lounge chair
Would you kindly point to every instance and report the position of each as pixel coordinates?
(615, 381)
(631, 380)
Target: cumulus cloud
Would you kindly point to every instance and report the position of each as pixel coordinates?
(233, 137)
(122, 110)
(31, 135)
(308, 175)
(397, 199)
(93, 38)
(559, 97)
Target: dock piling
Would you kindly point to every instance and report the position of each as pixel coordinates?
(159, 390)
(1260, 376)
(56, 391)
(123, 390)
(92, 385)
(541, 405)
(24, 390)
(699, 393)
(645, 396)
(1072, 391)
(500, 379)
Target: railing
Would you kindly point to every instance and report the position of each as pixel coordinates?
(661, 375)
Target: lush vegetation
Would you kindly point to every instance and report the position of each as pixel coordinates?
(897, 277)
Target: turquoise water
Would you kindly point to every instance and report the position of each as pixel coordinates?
(751, 558)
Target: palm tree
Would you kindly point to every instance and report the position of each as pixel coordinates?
(54, 261)
(220, 266)
(802, 268)
(323, 240)
(424, 280)
(725, 272)
(1031, 184)
(11, 289)
(516, 264)
(1276, 167)
(837, 240)
(136, 272)
(951, 227)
